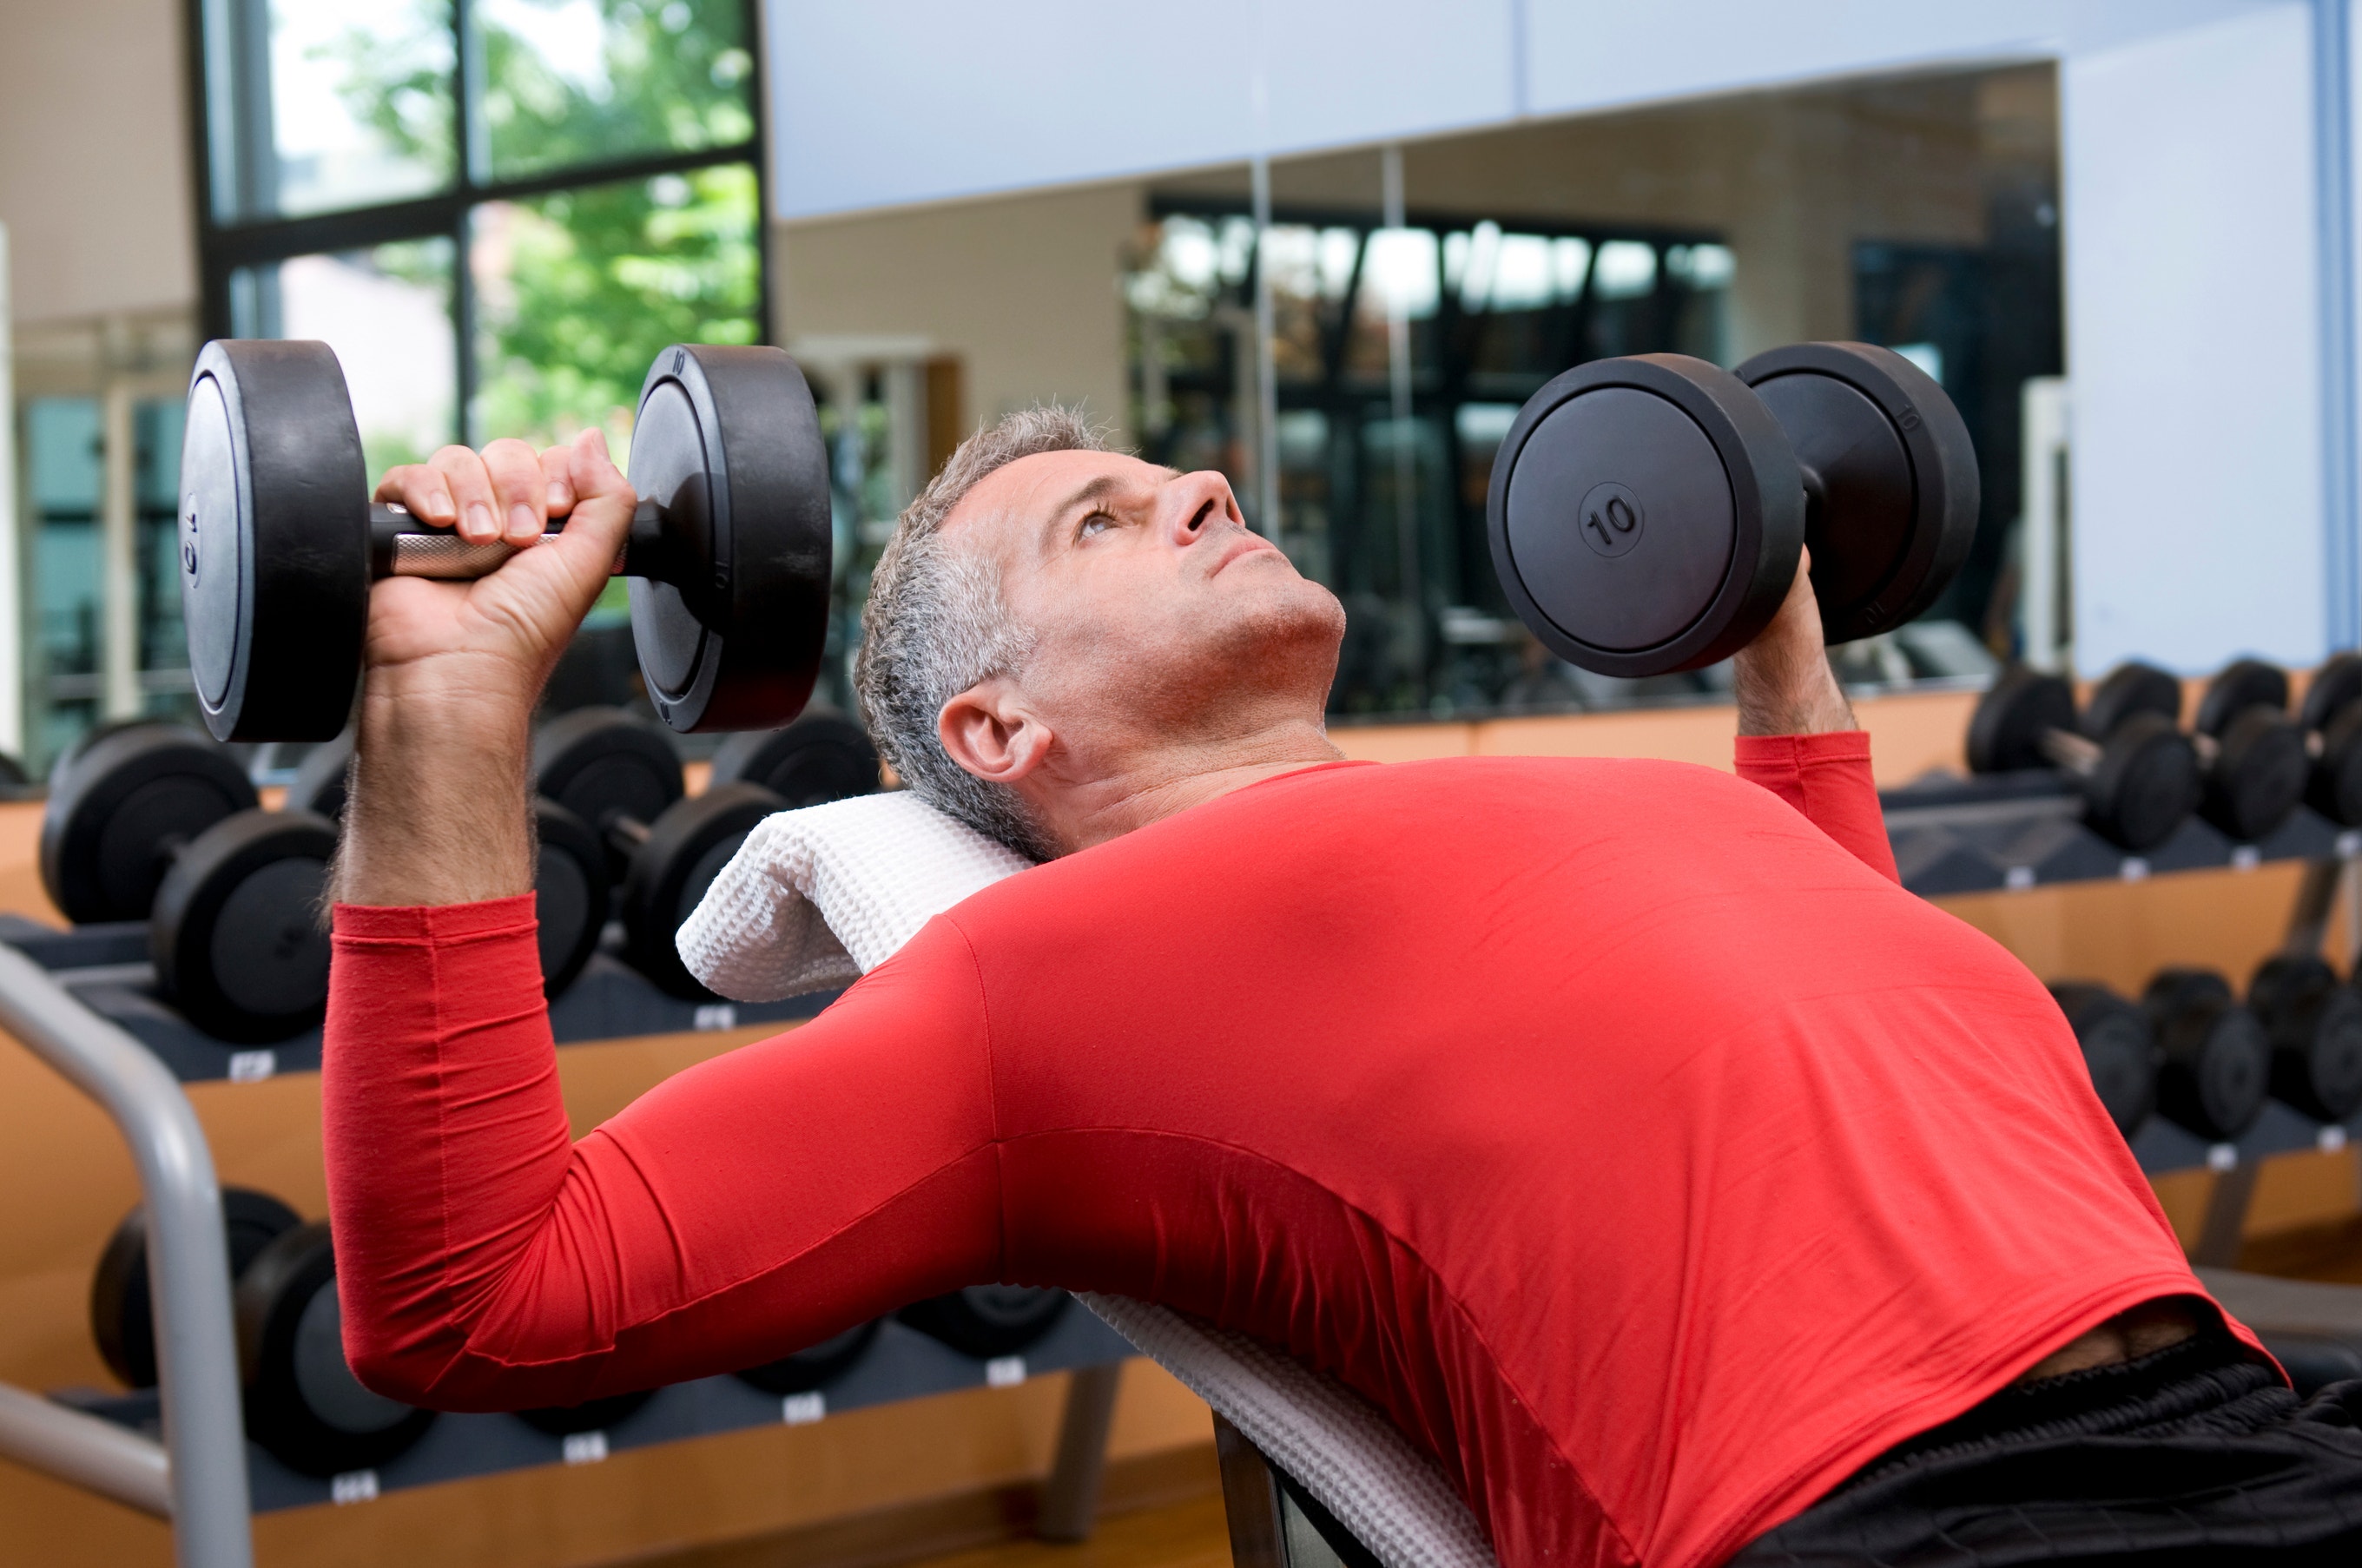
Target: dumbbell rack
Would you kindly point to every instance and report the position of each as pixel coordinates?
(2012, 831)
(82, 1001)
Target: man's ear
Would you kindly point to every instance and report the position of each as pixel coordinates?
(990, 731)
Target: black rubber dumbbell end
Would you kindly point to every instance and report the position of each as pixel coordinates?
(2119, 1050)
(802, 1371)
(987, 1320)
(122, 1308)
(2216, 1070)
(2314, 1025)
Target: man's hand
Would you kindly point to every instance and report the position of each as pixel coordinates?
(452, 670)
(1784, 684)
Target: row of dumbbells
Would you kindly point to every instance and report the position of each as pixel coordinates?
(305, 1408)
(2191, 1051)
(2245, 765)
(157, 822)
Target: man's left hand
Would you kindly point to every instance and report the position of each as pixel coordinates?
(1785, 686)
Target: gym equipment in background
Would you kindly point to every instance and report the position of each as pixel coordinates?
(2314, 1023)
(280, 543)
(2215, 1066)
(155, 821)
(988, 1320)
(620, 775)
(800, 1371)
(303, 1402)
(591, 1416)
(823, 756)
(2120, 1050)
(121, 1307)
(2138, 774)
(2331, 716)
(1647, 513)
(2251, 753)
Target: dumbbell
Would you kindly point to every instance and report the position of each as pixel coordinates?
(2119, 1050)
(155, 821)
(591, 1416)
(569, 880)
(303, 1403)
(279, 542)
(122, 1301)
(2137, 772)
(988, 1320)
(2314, 1026)
(2252, 753)
(619, 774)
(2215, 1065)
(800, 1371)
(823, 756)
(1647, 513)
(2331, 716)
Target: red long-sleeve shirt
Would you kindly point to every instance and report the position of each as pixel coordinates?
(1649, 1158)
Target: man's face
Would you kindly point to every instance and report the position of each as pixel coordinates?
(1154, 611)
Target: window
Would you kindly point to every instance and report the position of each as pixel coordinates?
(495, 211)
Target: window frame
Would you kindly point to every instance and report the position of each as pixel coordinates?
(225, 248)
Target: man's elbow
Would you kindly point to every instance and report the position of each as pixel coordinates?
(392, 1371)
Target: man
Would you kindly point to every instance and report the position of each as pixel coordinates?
(1620, 1128)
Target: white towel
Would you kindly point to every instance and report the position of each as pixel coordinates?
(818, 896)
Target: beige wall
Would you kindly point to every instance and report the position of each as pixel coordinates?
(94, 173)
(1022, 290)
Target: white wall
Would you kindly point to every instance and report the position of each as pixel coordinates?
(2191, 302)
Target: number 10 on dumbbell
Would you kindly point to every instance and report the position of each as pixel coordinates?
(280, 543)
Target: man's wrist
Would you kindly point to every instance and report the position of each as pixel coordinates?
(1783, 691)
(437, 812)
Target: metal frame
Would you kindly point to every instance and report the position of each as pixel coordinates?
(196, 1476)
(223, 247)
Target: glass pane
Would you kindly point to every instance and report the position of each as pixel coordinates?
(387, 313)
(322, 105)
(63, 472)
(573, 81)
(577, 291)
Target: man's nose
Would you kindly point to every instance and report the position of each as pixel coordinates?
(1196, 505)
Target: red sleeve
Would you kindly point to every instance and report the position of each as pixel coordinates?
(754, 1204)
(1827, 776)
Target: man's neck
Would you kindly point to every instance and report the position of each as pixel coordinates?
(1159, 782)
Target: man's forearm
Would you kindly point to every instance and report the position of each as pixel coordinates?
(439, 811)
(1789, 690)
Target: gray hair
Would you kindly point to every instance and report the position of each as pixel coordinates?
(937, 623)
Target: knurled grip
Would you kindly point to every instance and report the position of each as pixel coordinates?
(448, 556)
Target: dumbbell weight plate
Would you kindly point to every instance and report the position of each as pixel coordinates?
(2118, 1049)
(2259, 773)
(2334, 687)
(728, 444)
(569, 885)
(122, 1310)
(2314, 1025)
(1646, 514)
(987, 1320)
(2007, 727)
(602, 764)
(687, 847)
(823, 756)
(591, 1416)
(2238, 686)
(813, 1366)
(274, 540)
(118, 810)
(2334, 788)
(303, 1402)
(236, 933)
(2147, 784)
(2216, 1064)
(1890, 480)
(2131, 687)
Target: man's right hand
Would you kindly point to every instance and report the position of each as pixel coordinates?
(437, 812)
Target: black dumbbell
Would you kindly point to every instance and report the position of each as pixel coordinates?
(2314, 1024)
(620, 774)
(569, 880)
(2137, 772)
(823, 756)
(2216, 1061)
(156, 821)
(1647, 513)
(2252, 753)
(2119, 1050)
(591, 1416)
(2331, 716)
(815, 1365)
(279, 542)
(303, 1403)
(122, 1304)
(988, 1320)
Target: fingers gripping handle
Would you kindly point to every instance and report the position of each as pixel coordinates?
(402, 546)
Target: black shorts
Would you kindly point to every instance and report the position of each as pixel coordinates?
(2196, 1454)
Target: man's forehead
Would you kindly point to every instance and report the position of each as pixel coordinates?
(1020, 497)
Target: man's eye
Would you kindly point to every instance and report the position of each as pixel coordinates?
(1096, 523)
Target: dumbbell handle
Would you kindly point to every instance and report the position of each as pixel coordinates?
(402, 546)
(624, 834)
(2078, 755)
